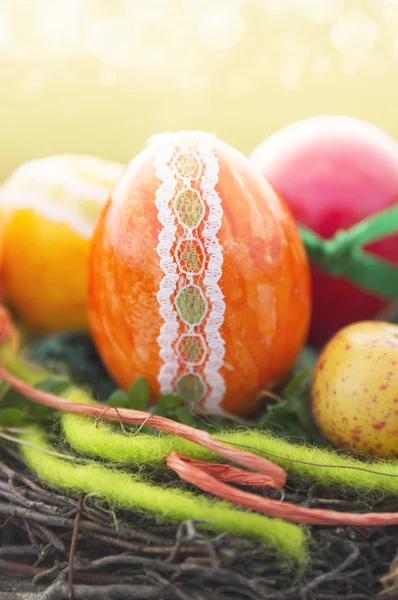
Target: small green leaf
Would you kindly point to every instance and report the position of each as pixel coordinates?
(169, 402)
(55, 384)
(4, 388)
(39, 412)
(11, 417)
(138, 394)
(14, 399)
(306, 360)
(292, 417)
(31, 410)
(295, 385)
(118, 399)
(185, 417)
(157, 410)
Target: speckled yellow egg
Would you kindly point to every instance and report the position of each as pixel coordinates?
(48, 209)
(355, 389)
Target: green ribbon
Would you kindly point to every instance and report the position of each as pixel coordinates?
(343, 255)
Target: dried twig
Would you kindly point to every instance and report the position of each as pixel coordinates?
(59, 590)
(72, 550)
(352, 557)
(144, 548)
(390, 581)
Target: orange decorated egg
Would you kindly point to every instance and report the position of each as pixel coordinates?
(198, 280)
(48, 210)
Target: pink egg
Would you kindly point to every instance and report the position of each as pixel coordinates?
(334, 171)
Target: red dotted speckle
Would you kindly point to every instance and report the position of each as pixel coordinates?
(357, 429)
(384, 387)
(347, 347)
(379, 426)
(374, 399)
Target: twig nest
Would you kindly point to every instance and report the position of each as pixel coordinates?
(355, 389)
(198, 279)
(48, 210)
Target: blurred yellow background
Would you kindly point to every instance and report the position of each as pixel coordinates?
(100, 76)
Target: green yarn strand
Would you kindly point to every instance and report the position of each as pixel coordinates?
(100, 440)
(308, 463)
(315, 464)
(130, 492)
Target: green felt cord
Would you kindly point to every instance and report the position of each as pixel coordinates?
(343, 254)
(100, 440)
(129, 491)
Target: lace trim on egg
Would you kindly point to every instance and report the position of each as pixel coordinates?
(191, 302)
(167, 236)
(213, 274)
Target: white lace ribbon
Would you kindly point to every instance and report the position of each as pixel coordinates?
(167, 236)
(215, 319)
(199, 183)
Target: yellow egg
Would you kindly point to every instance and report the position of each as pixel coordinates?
(48, 210)
(355, 389)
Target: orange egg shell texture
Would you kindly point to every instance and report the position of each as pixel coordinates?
(223, 255)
